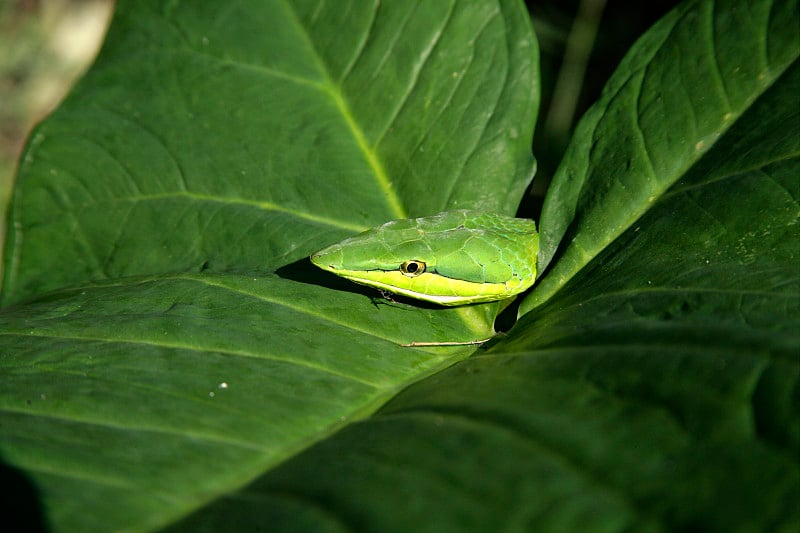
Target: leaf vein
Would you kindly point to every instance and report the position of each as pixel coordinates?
(360, 47)
(334, 91)
(425, 56)
(188, 347)
(108, 424)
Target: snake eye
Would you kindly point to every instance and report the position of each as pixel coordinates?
(412, 268)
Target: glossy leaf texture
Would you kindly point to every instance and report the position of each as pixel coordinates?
(695, 75)
(657, 390)
(164, 338)
(245, 137)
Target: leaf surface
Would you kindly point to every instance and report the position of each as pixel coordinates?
(234, 141)
(697, 73)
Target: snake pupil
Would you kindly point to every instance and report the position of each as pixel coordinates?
(412, 268)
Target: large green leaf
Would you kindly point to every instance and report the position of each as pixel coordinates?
(653, 384)
(242, 138)
(165, 339)
(686, 82)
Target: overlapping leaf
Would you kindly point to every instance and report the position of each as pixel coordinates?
(687, 81)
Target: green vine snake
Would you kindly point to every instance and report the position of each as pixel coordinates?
(453, 258)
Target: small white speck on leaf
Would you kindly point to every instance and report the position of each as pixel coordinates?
(223, 385)
(212, 394)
